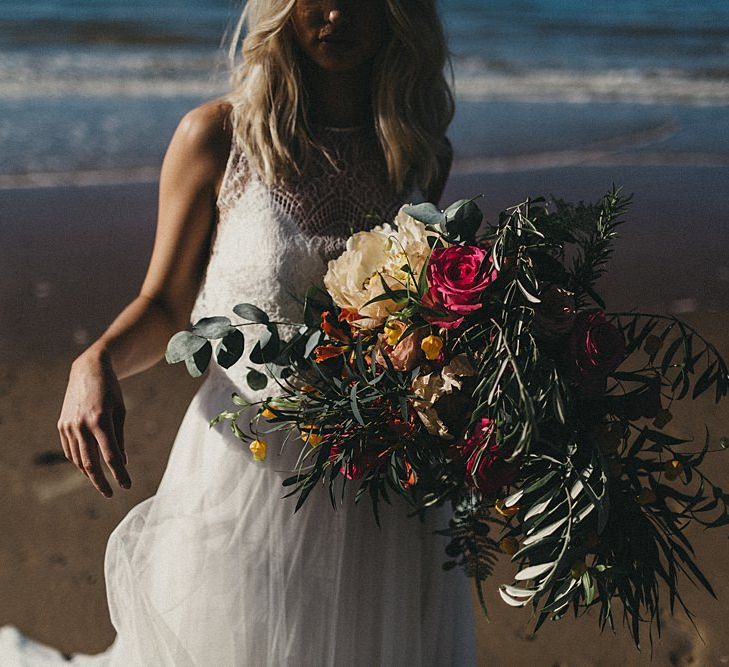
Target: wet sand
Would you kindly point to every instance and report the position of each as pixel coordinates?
(71, 258)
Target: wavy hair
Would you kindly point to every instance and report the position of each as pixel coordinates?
(412, 103)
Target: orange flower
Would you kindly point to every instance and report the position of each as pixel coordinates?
(412, 477)
(324, 352)
(348, 315)
(333, 330)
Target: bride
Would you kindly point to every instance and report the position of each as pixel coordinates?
(336, 117)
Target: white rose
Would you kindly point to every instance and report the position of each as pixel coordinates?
(353, 278)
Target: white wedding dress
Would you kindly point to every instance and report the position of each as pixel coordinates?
(216, 569)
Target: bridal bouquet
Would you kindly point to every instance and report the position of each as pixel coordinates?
(480, 368)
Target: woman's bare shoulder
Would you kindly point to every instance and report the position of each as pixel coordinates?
(207, 127)
(204, 135)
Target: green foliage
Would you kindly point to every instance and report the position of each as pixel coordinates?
(598, 511)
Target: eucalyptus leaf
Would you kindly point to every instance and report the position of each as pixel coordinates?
(230, 348)
(462, 220)
(256, 380)
(250, 312)
(183, 345)
(427, 213)
(267, 347)
(198, 362)
(212, 328)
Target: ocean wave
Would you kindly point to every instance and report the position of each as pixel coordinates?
(660, 86)
(173, 72)
(161, 73)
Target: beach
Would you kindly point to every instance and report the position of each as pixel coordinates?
(553, 97)
(72, 257)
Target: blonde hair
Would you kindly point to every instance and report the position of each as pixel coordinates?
(412, 102)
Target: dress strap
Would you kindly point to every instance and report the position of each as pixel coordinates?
(235, 176)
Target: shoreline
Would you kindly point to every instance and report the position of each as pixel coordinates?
(673, 245)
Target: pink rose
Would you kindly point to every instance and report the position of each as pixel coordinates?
(596, 348)
(486, 468)
(406, 354)
(457, 277)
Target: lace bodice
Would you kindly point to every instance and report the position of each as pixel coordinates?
(271, 243)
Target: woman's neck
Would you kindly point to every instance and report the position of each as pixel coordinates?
(339, 99)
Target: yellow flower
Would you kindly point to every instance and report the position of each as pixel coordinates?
(258, 448)
(431, 345)
(268, 413)
(673, 469)
(509, 545)
(308, 434)
(392, 333)
(503, 510)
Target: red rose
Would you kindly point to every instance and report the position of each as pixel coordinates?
(486, 468)
(596, 348)
(457, 277)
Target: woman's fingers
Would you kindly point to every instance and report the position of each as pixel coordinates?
(90, 462)
(105, 434)
(73, 448)
(64, 441)
(118, 423)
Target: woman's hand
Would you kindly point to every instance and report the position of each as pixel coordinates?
(91, 424)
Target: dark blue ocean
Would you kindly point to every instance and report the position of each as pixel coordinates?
(91, 90)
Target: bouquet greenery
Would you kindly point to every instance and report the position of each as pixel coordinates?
(451, 361)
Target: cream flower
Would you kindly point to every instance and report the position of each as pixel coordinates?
(353, 278)
(431, 386)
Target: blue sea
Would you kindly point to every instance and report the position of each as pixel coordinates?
(91, 90)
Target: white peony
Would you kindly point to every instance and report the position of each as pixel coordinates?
(352, 278)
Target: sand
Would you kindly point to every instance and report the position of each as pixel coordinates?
(71, 258)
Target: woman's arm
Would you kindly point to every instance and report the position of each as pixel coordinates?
(189, 181)
(92, 417)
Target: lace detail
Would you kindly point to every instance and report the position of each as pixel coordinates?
(335, 198)
(271, 243)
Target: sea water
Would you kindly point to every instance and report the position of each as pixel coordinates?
(91, 90)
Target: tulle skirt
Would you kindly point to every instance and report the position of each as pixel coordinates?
(216, 569)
